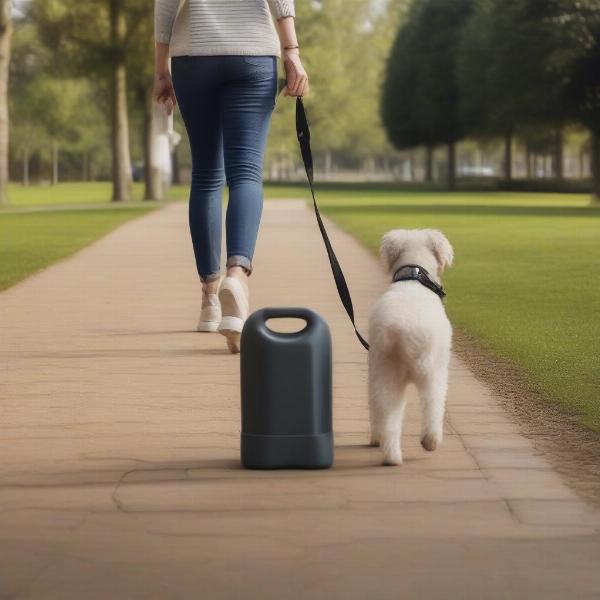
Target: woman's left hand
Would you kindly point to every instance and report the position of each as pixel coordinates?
(296, 76)
(164, 92)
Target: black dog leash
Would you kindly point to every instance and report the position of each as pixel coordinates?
(403, 273)
(303, 132)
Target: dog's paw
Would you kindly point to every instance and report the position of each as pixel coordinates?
(392, 459)
(390, 447)
(430, 441)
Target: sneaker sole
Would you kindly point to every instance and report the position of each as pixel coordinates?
(208, 326)
(233, 324)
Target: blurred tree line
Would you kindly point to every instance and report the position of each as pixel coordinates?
(489, 69)
(81, 77)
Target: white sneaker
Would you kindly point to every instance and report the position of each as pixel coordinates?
(233, 295)
(210, 313)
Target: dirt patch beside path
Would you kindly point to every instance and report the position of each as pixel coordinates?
(573, 449)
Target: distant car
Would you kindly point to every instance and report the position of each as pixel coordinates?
(476, 171)
(137, 172)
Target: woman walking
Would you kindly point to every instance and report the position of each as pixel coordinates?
(224, 76)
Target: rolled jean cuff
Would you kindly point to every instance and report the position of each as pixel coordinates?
(238, 260)
(209, 278)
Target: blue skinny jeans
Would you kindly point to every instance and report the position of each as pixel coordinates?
(226, 102)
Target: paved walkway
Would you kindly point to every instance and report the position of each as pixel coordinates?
(119, 474)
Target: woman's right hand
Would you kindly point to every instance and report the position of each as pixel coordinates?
(296, 76)
(164, 93)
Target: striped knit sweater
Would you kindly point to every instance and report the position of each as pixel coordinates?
(220, 26)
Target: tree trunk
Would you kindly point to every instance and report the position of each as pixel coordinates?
(154, 189)
(558, 156)
(85, 174)
(508, 156)
(452, 166)
(175, 162)
(26, 167)
(528, 158)
(6, 30)
(429, 164)
(328, 163)
(54, 162)
(595, 163)
(122, 180)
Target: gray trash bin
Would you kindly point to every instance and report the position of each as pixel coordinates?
(286, 392)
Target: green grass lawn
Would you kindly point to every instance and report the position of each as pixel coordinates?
(526, 281)
(63, 194)
(30, 241)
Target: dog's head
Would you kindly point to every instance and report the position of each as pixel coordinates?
(426, 247)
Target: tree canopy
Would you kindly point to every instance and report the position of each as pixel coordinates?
(494, 68)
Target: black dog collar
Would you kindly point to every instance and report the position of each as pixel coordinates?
(420, 274)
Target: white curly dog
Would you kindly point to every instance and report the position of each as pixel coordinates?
(410, 338)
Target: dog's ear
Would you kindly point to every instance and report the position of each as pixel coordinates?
(393, 244)
(441, 247)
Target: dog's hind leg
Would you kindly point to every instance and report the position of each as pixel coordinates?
(374, 438)
(391, 432)
(432, 390)
(374, 358)
(386, 406)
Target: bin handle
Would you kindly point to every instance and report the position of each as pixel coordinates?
(288, 313)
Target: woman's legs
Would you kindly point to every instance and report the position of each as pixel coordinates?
(196, 84)
(226, 103)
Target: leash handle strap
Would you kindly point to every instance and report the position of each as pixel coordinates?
(303, 131)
